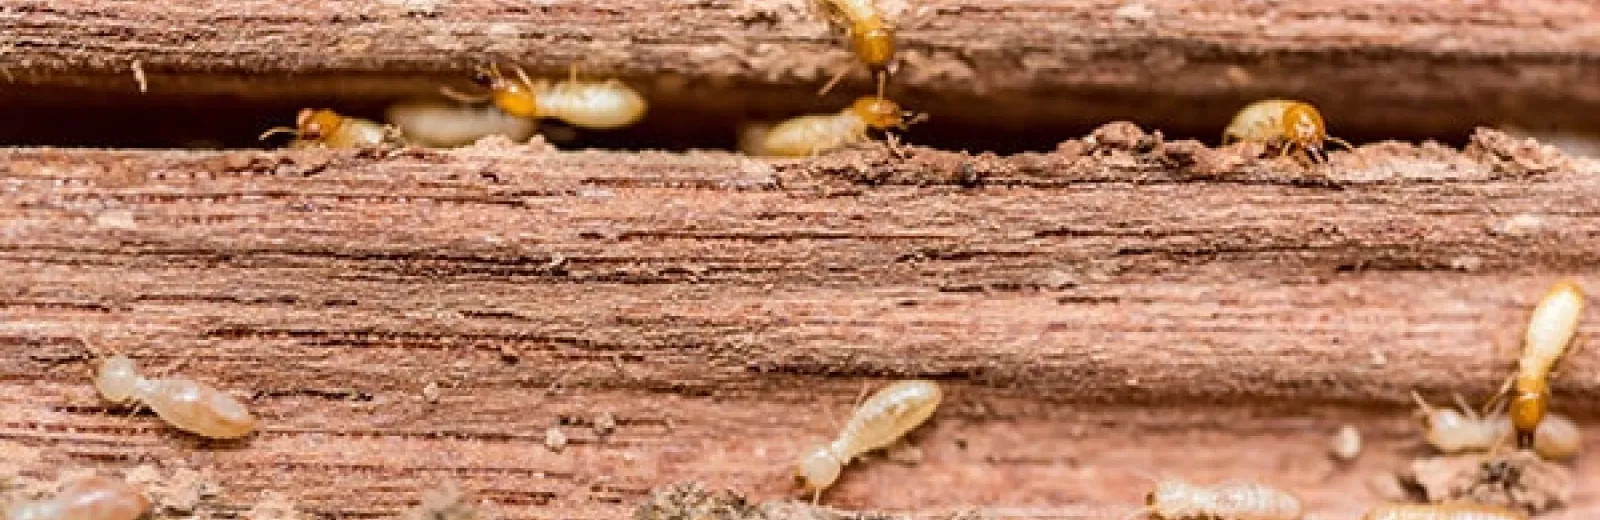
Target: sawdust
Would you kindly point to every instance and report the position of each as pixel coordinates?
(1509, 155)
(274, 506)
(1518, 480)
(179, 490)
(445, 503)
(692, 501)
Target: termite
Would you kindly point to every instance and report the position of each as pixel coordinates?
(813, 134)
(1175, 499)
(328, 129)
(446, 125)
(1551, 328)
(882, 419)
(1285, 124)
(871, 36)
(188, 405)
(596, 105)
(1452, 431)
(93, 498)
(1459, 511)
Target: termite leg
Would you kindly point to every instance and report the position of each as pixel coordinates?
(833, 81)
(528, 82)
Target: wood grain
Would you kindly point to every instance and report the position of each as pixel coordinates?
(1096, 314)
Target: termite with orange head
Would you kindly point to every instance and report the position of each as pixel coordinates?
(1175, 499)
(871, 36)
(882, 419)
(813, 134)
(93, 498)
(188, 405)
(1551, 329)
(325, 128)
(1459, 511)
(1288, 125)
(1452, 431)
(599, 105)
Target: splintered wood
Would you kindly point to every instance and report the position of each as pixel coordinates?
(1094, 315)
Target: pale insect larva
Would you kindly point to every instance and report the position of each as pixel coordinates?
(185, 404)
(1175, 499)
(1551, 328)
(1452, 431)
(882, 419)
(1283, 123)
(328, 129)
(598, 105)
(93, 498)
(810, 135)
(871, 36)
(448, 125)
(1462, 511)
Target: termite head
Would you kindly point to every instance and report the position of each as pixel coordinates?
(310, 125)
(819, 469)
(515, 96)
(1528, 407)
(874, 47)
(883, 114)
(1303, 126)
(117, 378)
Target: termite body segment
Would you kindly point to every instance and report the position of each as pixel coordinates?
(598, 105)
(323, 128)
(1175, 499)
(1463, 511)
(93, 498)
(1550, 329)
(185, 404)
(446, 125)
(1452, 431)
(882, 419)
(809, 135)
(1283, 123)
(871, 36)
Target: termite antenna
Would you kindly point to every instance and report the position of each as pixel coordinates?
(1427, 409)
(278, 130)
(1341, 142)
(1461, 402)
(835, 81)
(1499, 396)
(528, 82)
(462, 97)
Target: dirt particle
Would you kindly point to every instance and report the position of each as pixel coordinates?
(181, 491)
(904, 453)
(692, 502)
(1122, 136)
(555, 440)
(431, 392)
(1466, 263)
(1346, 444)
(1134, 12)
(1519, 480)
(604, 424)
(1508, 155)
(1520, 225)
(274, 506)
(115, 219)
(445, 503)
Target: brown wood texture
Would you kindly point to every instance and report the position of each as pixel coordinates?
(1418, 66)
(1095, 314)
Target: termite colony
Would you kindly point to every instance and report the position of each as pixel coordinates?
(510, 105)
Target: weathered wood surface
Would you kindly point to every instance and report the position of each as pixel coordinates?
(1030, 63)
(1095, 318)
